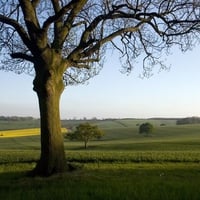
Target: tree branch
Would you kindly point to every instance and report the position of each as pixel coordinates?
(58, 14)
(110, 37)
(20, 30)
(38, 37)
(22, 56)
(68, 24)
(61, 28)
(30, 17)
(35, 3)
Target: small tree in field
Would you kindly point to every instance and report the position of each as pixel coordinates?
(86, 132)
(146, 128)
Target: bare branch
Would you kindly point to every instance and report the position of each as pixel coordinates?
(77, 31)
(23, 56)
(58, 14)
(22, 33)
(109, 38)
(30, 17)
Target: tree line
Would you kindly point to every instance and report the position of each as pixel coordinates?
(15, 118)
(188, 120)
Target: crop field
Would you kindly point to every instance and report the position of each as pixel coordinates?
(19, 133)
(122, 165)
(22, 132)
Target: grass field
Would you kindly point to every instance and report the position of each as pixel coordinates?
(123, 165)
(106, 181)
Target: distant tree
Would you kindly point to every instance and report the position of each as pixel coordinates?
(146, 128)
(86, 132)
(188, 120)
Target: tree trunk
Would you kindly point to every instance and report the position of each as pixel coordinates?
(49, 87)
(85, 142)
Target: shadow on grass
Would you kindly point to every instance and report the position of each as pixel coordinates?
(104, 181)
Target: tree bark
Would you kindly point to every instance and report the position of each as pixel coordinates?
(49, 86)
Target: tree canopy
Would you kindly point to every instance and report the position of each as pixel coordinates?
(85, 132)
(146, 128)
(80, 31)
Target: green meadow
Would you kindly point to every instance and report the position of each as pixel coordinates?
(122, 165)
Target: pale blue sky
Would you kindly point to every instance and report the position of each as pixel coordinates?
(173, 93)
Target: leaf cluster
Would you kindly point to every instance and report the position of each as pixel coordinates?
(146, 128)
(85, 132)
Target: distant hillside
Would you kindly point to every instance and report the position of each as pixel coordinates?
(188, 120)
(16, 122)
(163, 118)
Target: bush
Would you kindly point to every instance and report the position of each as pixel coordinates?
(162, 124)
(146, 128)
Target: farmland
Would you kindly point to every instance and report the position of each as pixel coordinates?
(122, 165)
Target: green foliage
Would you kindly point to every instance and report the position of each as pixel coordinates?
(146, 128)
(86, 132)
(84, 157)
(134, 157)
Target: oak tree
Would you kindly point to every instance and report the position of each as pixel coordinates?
(86, 132)
(146, 128)
(62, 42)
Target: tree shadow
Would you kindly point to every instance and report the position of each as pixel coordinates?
(114, 179)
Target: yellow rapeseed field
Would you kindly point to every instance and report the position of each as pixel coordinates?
(23, 132)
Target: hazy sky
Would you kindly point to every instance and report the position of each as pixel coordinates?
(173, 93)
